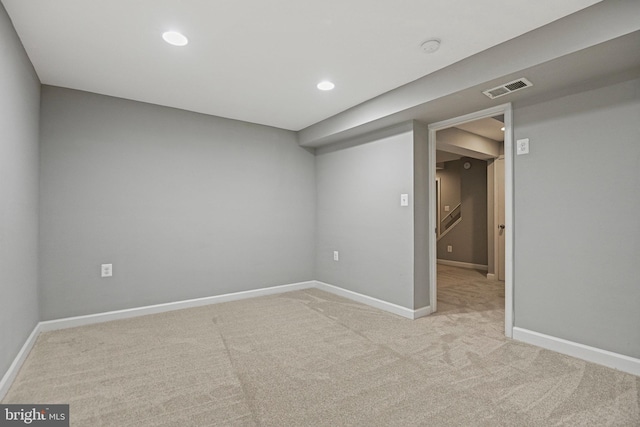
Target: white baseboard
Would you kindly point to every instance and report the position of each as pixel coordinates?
(13, 370)
(460, 264)
(70, 322)
(603, 357)
(422, 312)
(374, 302)
(590, 354)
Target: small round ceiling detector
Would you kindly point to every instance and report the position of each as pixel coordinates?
(430, 45)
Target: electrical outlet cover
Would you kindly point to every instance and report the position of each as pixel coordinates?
(522, 146)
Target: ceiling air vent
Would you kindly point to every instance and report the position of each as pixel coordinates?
(507, 88)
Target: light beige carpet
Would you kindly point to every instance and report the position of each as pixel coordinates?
(309, 358)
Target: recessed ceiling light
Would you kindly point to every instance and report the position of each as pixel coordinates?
(430, 45)
(326, 85)
(175, 38)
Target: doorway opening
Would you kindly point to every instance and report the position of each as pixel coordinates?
(470, 205)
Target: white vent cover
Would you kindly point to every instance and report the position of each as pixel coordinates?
(507, 88)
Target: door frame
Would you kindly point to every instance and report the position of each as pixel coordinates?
(438, 191)
(498, 261)
(507, 110)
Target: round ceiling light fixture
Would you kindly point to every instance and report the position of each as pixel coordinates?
(325, 85)
(430, 45)
(175, 38)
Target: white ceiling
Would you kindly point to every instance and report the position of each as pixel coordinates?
(488, 127)
(258, 60)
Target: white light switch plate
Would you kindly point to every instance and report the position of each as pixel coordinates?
(404, 200)
(522, 146)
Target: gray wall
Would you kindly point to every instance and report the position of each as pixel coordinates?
(468, 186)
(359, 214)
(491, 225)
(19, 110)
(421, 228)
(450, 186)
(577, 229)
(184, 205)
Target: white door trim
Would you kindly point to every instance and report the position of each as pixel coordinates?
(505, 109)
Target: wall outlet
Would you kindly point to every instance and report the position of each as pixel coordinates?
(449, 248)
(336, 256)
(106, 270)
(522, 146)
